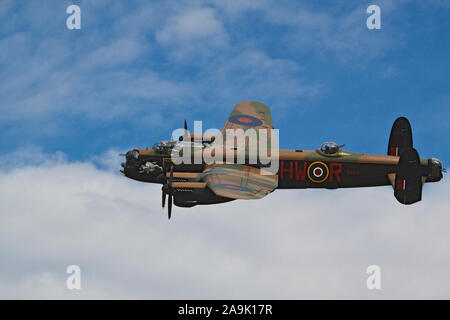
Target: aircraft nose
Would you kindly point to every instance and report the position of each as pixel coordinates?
(127, 156)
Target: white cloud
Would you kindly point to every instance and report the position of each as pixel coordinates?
(133, 64)
(292, 244)
(118, 53)
(235, 8)
(193, 35)
(335, 31)
(190, 25)
(30, 156)
(167, 54)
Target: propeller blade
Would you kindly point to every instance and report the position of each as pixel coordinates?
(164, 182)
(166, 189)
(164, 169)
(170, 192)
(170, 205)
(163, 198)
(185, 136)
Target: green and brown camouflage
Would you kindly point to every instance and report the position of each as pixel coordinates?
(238, 181)
(328, 167)
(251, 117)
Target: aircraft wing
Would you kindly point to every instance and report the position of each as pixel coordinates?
(238, 181)
(249, 115)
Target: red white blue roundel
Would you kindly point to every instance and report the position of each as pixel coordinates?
(245, 120)
(318, 172)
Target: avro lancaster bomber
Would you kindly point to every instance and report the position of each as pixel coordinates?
(330, 167)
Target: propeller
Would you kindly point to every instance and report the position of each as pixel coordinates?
(169, 209)
(167, 190)
(163, 177)
(163, 198)
(181, 138)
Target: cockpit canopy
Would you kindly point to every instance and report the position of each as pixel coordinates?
(329, 147)
(164, 146)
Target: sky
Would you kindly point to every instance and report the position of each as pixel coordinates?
(71, 100)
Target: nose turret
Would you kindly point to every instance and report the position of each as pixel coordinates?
(132, 155)
(142, 165)
(131, 162)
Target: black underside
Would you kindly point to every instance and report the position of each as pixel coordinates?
(192, 197)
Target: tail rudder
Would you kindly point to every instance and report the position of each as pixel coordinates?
(407, 181)
(400, 138)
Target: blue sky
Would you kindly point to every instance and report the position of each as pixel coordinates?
(136, 69)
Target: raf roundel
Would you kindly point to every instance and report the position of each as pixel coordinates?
(245, 120)
(318, 172)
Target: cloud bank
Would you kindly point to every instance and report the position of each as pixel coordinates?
(292, 244)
